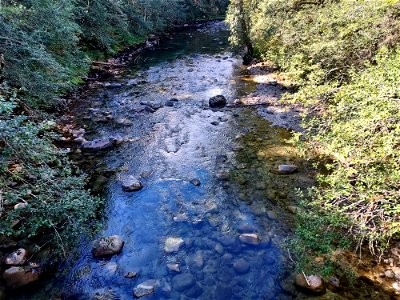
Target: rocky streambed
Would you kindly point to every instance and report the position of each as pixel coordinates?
(200, 194)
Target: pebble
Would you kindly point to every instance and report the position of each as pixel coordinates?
(173, 244)
(195, 182)
(130, 183)
(18, 257)
(241, 266)
(183, 282)
(145, 288)
(250, 239)
(287, 169)
(174, 267)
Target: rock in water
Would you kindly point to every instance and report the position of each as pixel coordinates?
(145, 288)
(287, 169)
(173, 244)
(241, 266)
(99, 144)
(20, 276)
(195, 182)
(218, 101)
(130, 183)
(250, 239)
(312, 283)
(18, 257)
(107, 246)
(183, 282)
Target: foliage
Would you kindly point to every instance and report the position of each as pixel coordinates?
(33, 172)
(343, 57)
(46, 44)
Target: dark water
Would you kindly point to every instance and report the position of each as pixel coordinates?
(167, 148)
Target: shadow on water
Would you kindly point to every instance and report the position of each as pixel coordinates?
(167, 143)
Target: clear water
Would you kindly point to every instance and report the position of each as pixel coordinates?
(166, 149)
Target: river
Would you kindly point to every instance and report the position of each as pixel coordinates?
(231, 152)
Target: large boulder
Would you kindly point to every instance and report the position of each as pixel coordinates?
(107, 246)
(218, 101)
(17, 258)
(20, 276)
(312, 283)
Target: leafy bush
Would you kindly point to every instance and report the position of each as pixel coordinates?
(343, 58)
(33, 172)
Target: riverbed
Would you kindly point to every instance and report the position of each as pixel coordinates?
(209, 177)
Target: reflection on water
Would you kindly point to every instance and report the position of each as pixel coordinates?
(169, 143)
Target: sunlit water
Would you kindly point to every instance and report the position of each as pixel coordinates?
(167, 148)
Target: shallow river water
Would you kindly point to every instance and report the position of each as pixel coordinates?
(233, 152)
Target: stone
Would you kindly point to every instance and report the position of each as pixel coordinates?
(194, 292)
(107, 246)
(287, 169)
(333, 283)
(145, 288)
(389, 273)
(20, 276)
(246, 228)
(6, 243)
(17, 258)
(149, 109)
(130, 274)
(130, 183)
(214, 123)
(312, 283)
(173, 244)
(98, 144)
(250, 239)
(21, 205)
(174, 267)
(241, 266)
(218, 101)
(183, 282)
(110, 268)
(195, 182)
(123, 122)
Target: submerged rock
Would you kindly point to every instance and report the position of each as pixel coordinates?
(287, 169)
(145, 288)
(173, 244)
(183, 282)
(106, 246)
(130, 274)
(195, 182)
(241, 266)
(16, 258)
(250, 239)
(21, 276)
(218, 101)
(174, 267)
(130, 183)
(312, 283)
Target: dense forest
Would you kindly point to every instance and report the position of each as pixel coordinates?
(340, 60)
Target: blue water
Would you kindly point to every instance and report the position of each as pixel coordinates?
(166, 149)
